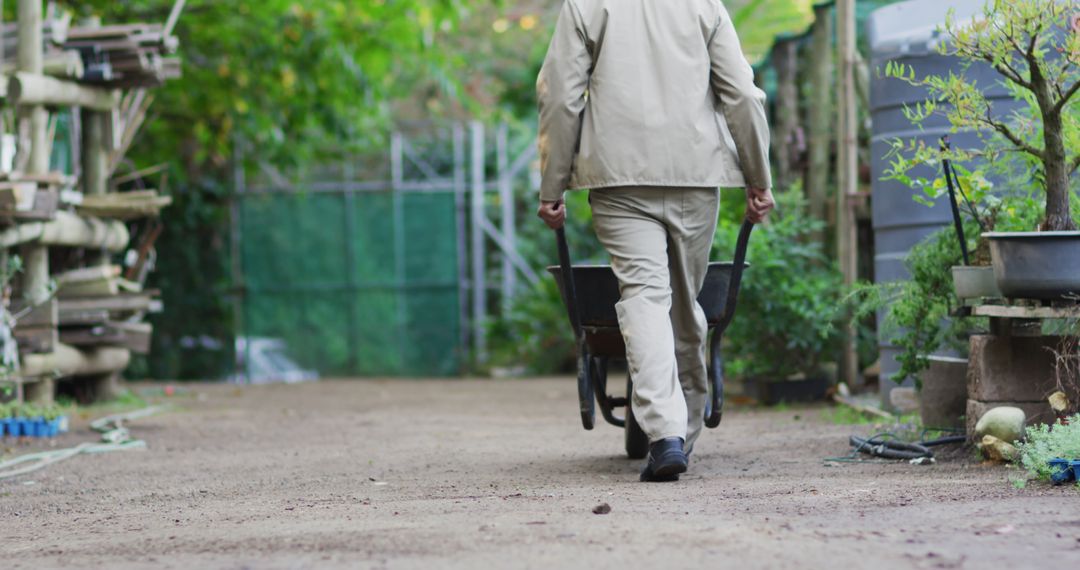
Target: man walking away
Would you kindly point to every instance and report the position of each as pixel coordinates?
(652, 106)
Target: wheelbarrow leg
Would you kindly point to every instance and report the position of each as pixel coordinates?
(637, 443)
(714, 407)
(586, 383)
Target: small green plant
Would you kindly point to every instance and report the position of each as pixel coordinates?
(1044, 442)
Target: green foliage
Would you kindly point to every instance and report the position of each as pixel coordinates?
(536, 332)
(789, 296)
(1044, 442)
(917, 310)
(784, 325)
(28, 410)
(1023, 41)
(292, 78)
(295, 81)
(760, 22)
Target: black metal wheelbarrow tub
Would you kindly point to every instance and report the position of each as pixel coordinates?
(598, 292)
(590, 296)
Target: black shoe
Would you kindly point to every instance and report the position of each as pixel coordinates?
(666, 461)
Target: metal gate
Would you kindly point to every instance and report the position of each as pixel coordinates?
(383, 265)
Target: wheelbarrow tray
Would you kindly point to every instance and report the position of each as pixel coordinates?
(598, 292)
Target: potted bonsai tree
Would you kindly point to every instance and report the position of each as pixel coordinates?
(1034, 46)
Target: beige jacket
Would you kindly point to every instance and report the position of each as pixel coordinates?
(649, 93)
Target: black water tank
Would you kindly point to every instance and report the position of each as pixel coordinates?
(907, 32)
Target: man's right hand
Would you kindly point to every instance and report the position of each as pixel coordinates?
(759, 202)
(553, 214)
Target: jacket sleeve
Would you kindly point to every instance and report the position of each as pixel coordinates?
(560, 94)
(742, 102)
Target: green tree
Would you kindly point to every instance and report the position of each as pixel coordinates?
(1031, 45)
(294, 81)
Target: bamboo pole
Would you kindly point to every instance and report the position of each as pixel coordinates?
(820, 116)
(35, 281)
(784, 58)
(67, 360)
(65, 64)
(95, 156)
(31, 88)
(847, 173)
(476, 202)
(68, 230)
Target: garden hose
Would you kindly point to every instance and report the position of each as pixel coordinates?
(893, 448)
(114, 437)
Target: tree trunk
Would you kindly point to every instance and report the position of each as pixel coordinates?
(1058, 216)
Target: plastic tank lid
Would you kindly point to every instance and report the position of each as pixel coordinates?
(912, 27)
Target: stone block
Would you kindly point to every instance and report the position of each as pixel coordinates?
(1011, 369)
(943, 397)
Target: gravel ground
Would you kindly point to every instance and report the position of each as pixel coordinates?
(480, 474)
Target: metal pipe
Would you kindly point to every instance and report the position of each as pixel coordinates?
(958, 224)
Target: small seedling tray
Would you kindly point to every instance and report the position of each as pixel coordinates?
(31, 427)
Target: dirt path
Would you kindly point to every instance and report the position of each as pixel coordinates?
(484, 474)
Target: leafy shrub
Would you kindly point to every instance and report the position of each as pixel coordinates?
(535, 331)
(1044, 442)
(917, 310)
(787, 303)
(785, 323)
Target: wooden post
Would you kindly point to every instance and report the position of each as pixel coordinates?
(397, 182)
(507, 223)
(479, 285)
(35, 284)
(785, 61)
(847, 174)
(95, 154)
(460, 186)
(820, 115)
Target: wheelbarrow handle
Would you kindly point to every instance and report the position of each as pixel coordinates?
(569, 289)
(735, 280)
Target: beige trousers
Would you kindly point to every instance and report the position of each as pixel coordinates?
(659, 240)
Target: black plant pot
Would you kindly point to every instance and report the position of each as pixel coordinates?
(1036, 265)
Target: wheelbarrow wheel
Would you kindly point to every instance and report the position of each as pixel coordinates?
(637, 443)
(586, 397)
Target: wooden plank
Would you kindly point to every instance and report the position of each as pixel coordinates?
(1019, 312)
(83, 318)
(133, 336)
(100, 335)
(36, 339)
(45, 314)
(112, 31)
(137, 336)
(118, 304)
(46, 202)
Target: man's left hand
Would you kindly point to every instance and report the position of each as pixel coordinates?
(553, 214)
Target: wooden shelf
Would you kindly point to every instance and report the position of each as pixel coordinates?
(1022, 312)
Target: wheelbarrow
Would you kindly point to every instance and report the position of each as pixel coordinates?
(590, 293)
